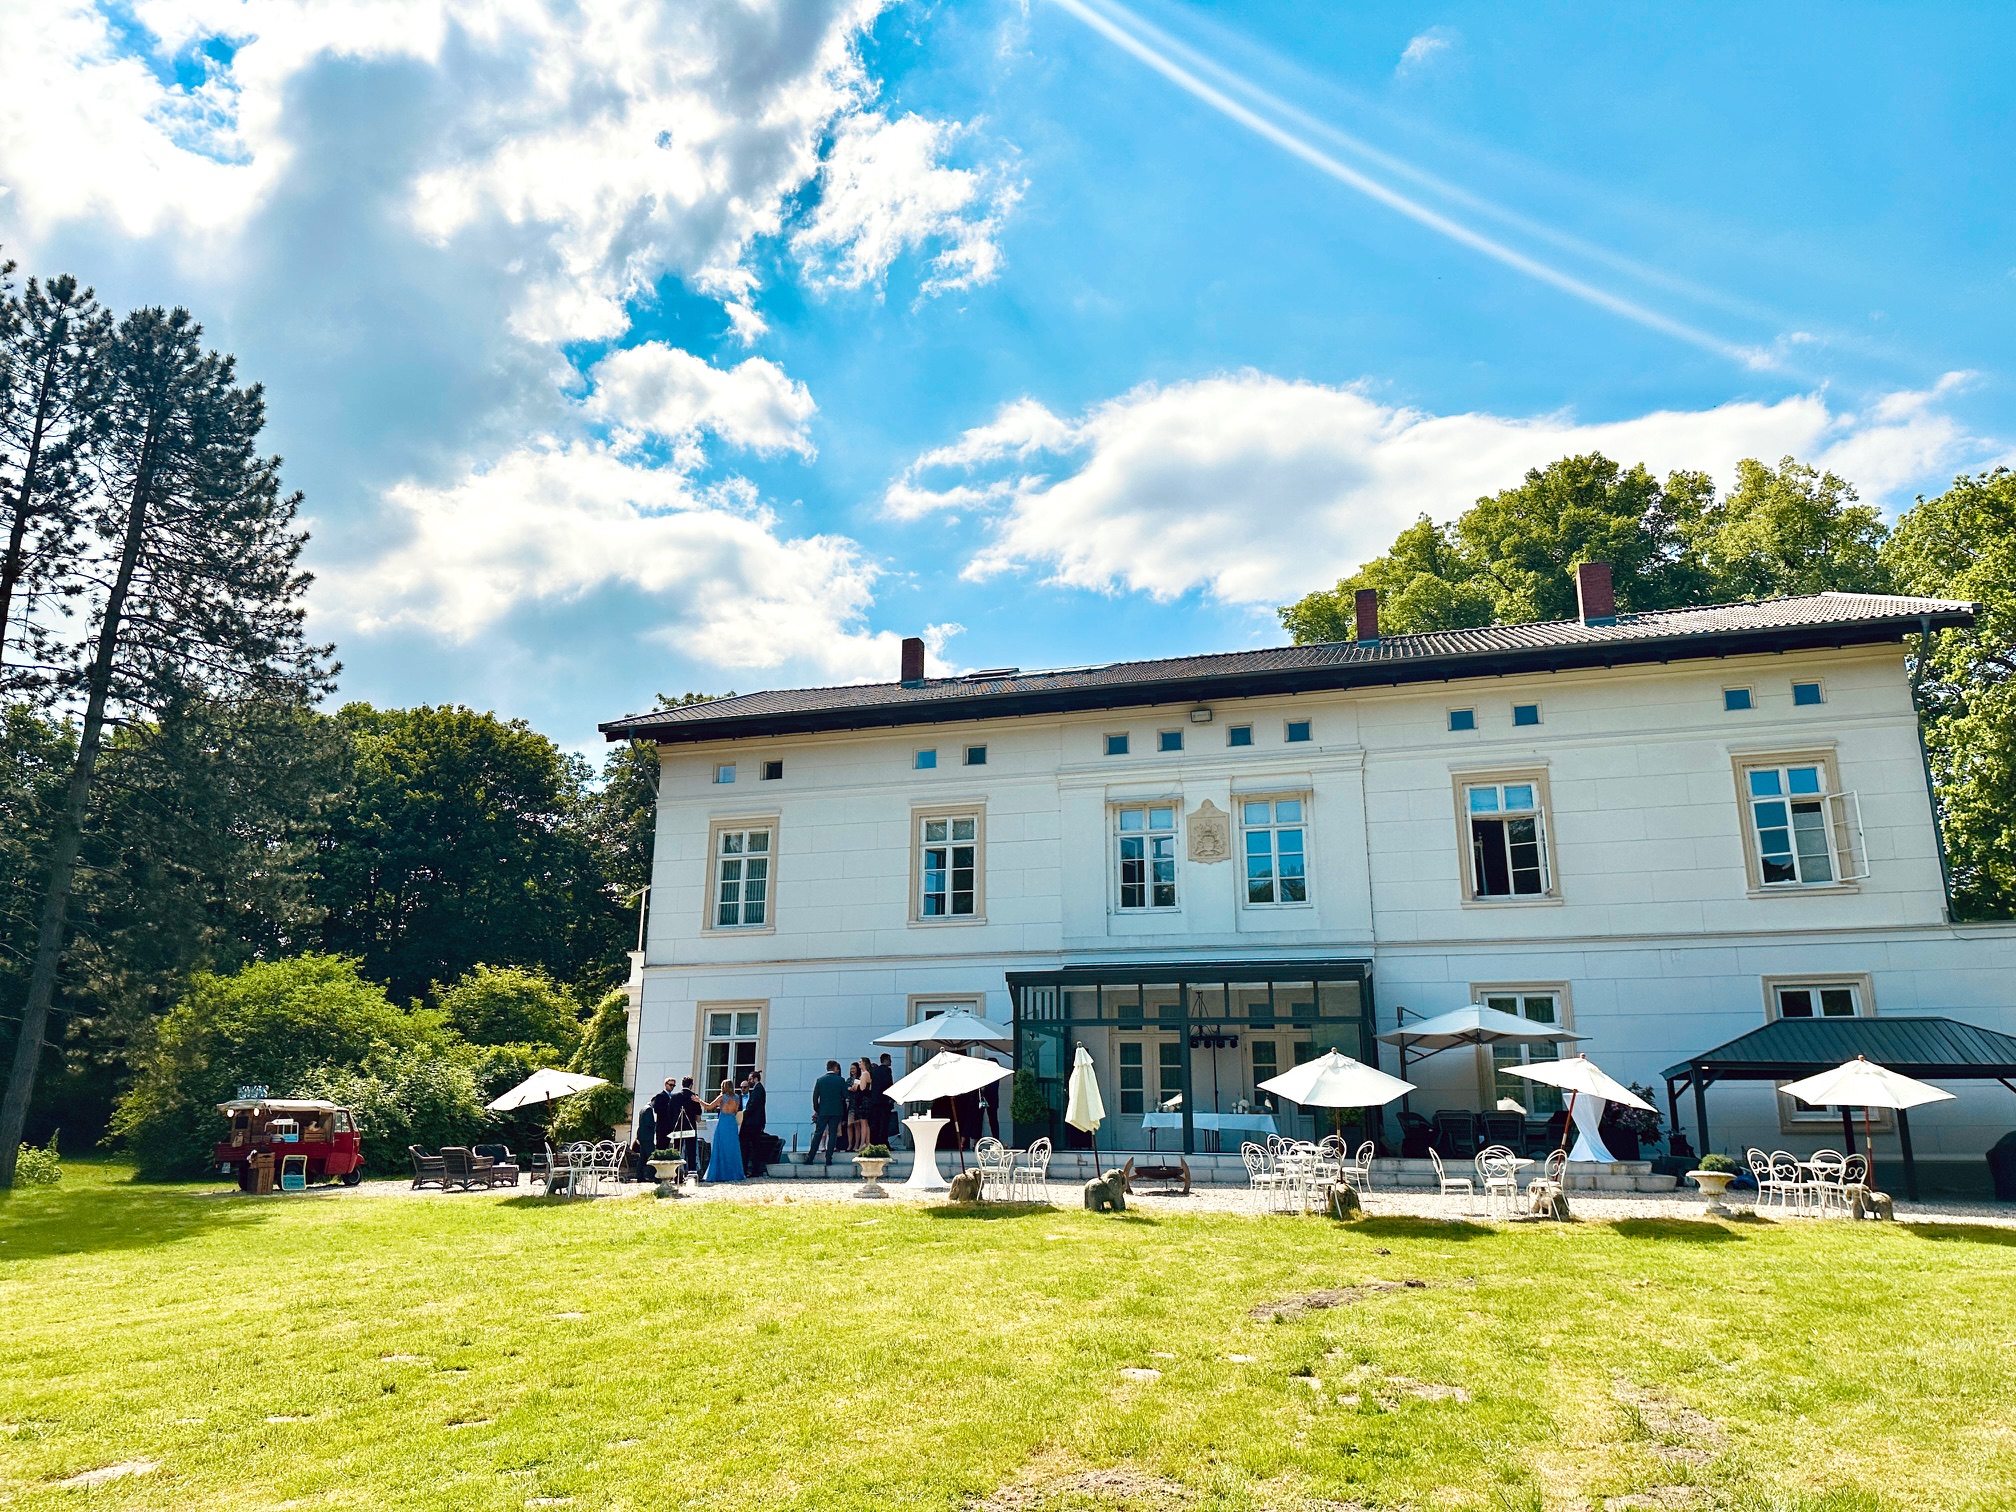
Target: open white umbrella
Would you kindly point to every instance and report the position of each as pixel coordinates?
(946, 1075)
(956, 1028)
(1861, 1083)
(544, 1086)
(1473, 1025)
(1084, 1108)
(1334, 1080)
(1581, 1077)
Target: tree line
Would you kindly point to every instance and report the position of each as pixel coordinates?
(1778, 531)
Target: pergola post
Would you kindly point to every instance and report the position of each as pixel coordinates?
(1910, 1165)
(1700, 1113)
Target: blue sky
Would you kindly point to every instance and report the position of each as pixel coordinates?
(624, 348)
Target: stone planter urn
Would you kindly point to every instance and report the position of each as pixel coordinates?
(871, 1176)
(670, 1174)
(1713, 1184)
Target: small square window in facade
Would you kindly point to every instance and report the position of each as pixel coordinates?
(925, 761)
(1525, 714)
(1169, 740)
(1817, 1002)
(1508, 851)
(1298, 731)
(976, 755)
(1805, 695)
(773, 771)
(1239, 735)
(1147, 856)
(1462, 719)
(1116, 745)
(1736, 700)
(725, 772)
(1277, 861)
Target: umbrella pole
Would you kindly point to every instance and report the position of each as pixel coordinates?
(1565, 1128)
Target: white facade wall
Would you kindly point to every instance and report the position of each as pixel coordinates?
(1655, 934)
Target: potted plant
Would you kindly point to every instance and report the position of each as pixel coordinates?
(670, 1169)
(1713, 1177)
(871, 1161)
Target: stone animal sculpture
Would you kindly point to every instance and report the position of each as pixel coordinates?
(966, 1187)
(1344, 1201)
(1108, 1193)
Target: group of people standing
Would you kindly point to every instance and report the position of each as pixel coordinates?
(727, 1146)
(854, 1110)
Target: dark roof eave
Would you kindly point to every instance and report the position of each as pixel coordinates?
(1250, 684)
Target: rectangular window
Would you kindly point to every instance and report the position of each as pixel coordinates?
(1806, 694)
(1817, 1002)
(1536, 1098)
(1239, 735)
(1788, 816)
(741, 878)
(729, 1051)
(1147, 854)
(1277, 869)
(773, 771)
(1169, 740)
(1133, 1080)
(976, 755)
(1508, 850)
(1525, 714)
(1169, 1070)
(725, 772)
(1736, 700)
(1116, 745)
(1462, 719)
(925, 761)
(948, 867)
(1297, 731)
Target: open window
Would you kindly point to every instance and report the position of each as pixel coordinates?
(1800, 829)
(1505, 829)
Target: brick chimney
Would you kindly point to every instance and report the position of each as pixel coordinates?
(1366, 608)
(913, 661)
(1595, 596)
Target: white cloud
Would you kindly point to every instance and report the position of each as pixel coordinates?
(1256, 489)
(1422, 49)
(883, 191)
(553, 523)
(671, 393)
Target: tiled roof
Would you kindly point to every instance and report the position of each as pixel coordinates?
(1825, 619)
(1914, 1046)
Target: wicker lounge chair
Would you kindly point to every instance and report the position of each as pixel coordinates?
(428, 1170)
(504, 1168)
(465, 1168)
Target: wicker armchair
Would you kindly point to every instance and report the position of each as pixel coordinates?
(428, 1170)
(464, 1168)
(504, 1168)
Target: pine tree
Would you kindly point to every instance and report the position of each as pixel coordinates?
(196, 591)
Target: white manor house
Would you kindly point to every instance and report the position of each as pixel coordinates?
(1660, 831)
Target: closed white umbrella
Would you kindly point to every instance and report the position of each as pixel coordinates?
(956, 1028)
(1335, 1080)
(1581, 1077)
(544, 1086)
(1861, 1083)
(1084, 1108)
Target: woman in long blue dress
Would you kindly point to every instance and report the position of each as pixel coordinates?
(725, 1164)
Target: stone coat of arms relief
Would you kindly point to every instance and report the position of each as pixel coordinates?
(1210, 829)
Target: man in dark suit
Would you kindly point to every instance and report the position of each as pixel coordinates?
(681, 1113)
(829, 1111)
(662, 1107)
(755, 1101)
(880, 1075)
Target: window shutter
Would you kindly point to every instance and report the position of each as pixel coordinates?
(1845, 812)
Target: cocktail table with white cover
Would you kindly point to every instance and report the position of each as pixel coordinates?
(946, 1074)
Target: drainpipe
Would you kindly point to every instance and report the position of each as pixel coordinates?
(1925, 761)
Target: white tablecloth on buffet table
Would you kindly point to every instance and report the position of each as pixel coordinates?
(1244, 1123)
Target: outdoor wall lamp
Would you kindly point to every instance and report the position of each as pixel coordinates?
(1200, 716)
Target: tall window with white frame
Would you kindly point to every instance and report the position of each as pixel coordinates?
(1788, 817)
(729, 1051)
(1508, 843)
(1277, 860)
(948, 866)
(1540, 1008)
(1147, 856)
(742, 878)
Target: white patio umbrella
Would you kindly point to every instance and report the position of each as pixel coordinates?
(946, 1074)
(1581, 1077)
(951, 1029)
(1861, 1083)
(1334, 1080)
(1474, 1024)
(1084, 1108)
(544, 1086)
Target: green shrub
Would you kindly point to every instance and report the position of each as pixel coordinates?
(872, 1152)
(605, 1046)
(1714, 1162)
(271, 1024)
(33, 1167)
(426, 1098)
(508, 1005)
(1028, 1106)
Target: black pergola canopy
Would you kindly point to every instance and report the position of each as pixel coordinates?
(1926, 1049)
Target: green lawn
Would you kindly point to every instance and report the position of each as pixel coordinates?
(494, 1352)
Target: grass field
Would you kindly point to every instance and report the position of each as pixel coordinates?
(497, 1352)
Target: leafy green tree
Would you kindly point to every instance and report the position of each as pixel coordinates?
(604, 1052)
(461, 841)
(1788, 530)
(1962, 544)
(200, 596)
(274, 1023)
(511, 1005)
(1428, 581)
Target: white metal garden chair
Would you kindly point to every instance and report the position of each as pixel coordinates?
(1357, 1171)
(1452, 1186)
(1498, 1171)
(1263, 1178)
(996, 1164)
(1788, 1181)
(1029, 1177)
